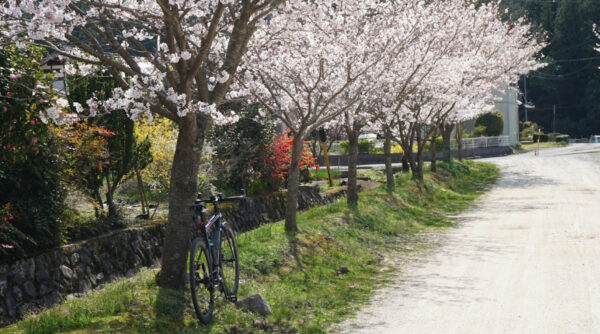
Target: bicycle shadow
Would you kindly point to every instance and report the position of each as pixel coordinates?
(170, 310)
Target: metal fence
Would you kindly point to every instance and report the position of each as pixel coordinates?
(481, 142)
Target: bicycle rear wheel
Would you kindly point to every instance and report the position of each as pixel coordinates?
(229, 264)
(202, 289)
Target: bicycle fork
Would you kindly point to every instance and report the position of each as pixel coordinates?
(215, 249)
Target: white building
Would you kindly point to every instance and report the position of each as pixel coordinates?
(507, 105)
(509, 108)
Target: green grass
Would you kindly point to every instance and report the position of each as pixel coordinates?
(298, 275)
(375, 175)
(533, 146)
(321, 174)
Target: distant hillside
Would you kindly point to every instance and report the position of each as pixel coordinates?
(571, 81)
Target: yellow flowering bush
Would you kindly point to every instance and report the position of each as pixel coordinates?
(163, 136)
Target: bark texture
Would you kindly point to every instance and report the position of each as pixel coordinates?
(293, 183)
(405, 165)
(352, 195)
(459, 135)
(433, 154)
(446, 137)
(184, 174)
(418, 172)
(387, 151)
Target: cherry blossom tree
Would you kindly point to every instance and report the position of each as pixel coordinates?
(172, 58)
(499, 52)
(305, 66)
(469, 52)
(396, 26)
(438, 26)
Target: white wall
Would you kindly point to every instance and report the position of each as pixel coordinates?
(507, 105)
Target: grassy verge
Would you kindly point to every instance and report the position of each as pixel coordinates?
(533, 146)
(311, 280)
(321, 174)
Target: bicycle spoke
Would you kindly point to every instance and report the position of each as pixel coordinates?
(228, 264)
(200, 284)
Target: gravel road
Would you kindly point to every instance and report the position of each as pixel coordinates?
(524, 259)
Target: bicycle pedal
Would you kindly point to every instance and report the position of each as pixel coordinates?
(232, 299)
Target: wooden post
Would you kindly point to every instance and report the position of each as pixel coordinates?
(539, 139)
(323, 138)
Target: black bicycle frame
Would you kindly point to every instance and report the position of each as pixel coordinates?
(212, 243)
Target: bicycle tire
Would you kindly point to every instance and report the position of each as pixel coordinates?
(229, 263)
(201, 288)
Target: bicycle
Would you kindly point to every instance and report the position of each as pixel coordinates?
(213, 258)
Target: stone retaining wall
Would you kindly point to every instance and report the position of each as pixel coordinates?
(46, 279)
(372, 158)
(255, 211)
(43, 280)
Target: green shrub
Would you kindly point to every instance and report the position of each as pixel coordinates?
(439, 145)
(492, 121)
(241, 150)
(562, 139)
(525, 125)
(527, 132)
(364, 146)
(31, 196)
(122, 146)
(543, 138)
(478, 131)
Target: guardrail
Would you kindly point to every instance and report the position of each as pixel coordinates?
(578, 140)
(481, 142)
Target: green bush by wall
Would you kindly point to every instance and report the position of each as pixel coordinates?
(543, 138)
(562, 139)
(493, 122)
(364, 146)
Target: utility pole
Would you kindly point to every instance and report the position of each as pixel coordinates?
(525, 96)
(554, 118)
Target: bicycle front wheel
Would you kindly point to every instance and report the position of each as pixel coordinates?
(229, 264)
(202, 289)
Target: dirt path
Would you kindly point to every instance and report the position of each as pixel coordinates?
(525, 259)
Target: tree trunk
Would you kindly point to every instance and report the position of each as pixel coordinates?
(293, 183)
(387, 151)
(433, 154)
(410, 157)
(414, 170)
(110, 190)
(184, 179)
(459, 140)
(142, 191)
(99, 209)
(405, 165)
(446, 137)
(352, 196)
(112, 208)
(419, 158)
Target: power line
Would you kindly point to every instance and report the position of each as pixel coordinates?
(575, 59)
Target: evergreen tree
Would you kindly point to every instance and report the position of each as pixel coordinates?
(571, 80)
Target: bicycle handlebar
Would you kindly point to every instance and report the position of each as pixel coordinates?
(219, 198)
